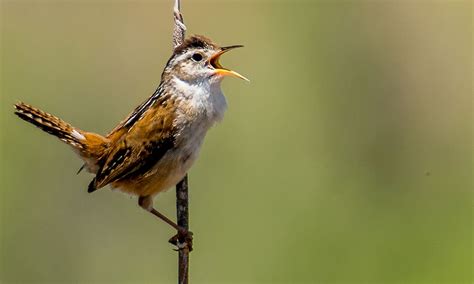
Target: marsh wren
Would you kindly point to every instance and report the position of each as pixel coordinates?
(153, 148)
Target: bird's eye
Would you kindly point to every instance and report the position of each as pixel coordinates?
(197, 57)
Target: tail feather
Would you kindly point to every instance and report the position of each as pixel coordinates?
(51, 124)
(90, 146)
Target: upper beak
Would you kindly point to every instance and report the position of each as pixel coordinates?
(214, 61)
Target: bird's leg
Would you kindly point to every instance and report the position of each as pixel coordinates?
(183, 235)
(146, 202)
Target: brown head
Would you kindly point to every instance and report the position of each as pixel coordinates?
(197, 60)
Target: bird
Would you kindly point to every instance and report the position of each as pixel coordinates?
(153, 148)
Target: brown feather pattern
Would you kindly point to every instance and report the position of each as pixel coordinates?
(134, 155)
(139, 145)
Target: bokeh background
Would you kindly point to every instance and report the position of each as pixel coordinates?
(347, 159)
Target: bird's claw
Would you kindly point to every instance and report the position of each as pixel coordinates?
(182, 240)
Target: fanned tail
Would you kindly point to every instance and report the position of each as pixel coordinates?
(51, 124)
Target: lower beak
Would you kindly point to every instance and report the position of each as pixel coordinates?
(214, 61)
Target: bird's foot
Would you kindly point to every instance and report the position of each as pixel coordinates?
(182, 240)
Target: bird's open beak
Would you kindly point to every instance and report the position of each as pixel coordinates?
(214, 61)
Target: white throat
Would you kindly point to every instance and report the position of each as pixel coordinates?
(201, 100)
(200, 106)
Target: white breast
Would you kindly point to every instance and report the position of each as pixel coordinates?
(200, 107)
(201, 102)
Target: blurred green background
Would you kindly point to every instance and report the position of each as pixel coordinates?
(347, 159)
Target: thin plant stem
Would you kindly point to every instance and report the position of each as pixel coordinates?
(182, 203)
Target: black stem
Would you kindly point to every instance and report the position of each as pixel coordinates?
(182, 212)
(184, 240)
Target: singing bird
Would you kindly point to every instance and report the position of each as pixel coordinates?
(153, 148)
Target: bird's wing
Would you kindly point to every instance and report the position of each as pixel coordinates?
(139, 149)
(139, 111)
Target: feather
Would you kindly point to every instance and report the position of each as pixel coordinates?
(140, 147)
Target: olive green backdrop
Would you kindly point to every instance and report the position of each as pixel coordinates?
(347, 159)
